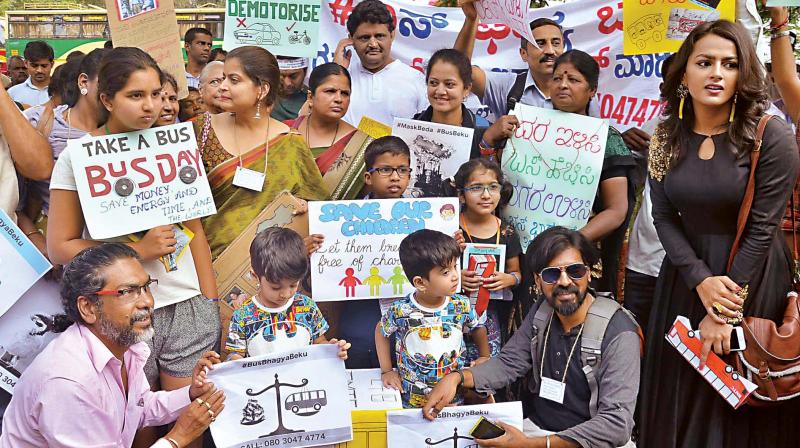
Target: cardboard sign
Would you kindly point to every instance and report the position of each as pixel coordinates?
(359, 258)
(366, 391)
(374, 128)
(452, 426)
(284, 27)
(152, 26)
(553, 161)
(733, 388)
(21, 263)
(485, 260)
(26, 329)
(437, 151)
(136, 181)
(513, 13)
(289, 399)
(655, 27)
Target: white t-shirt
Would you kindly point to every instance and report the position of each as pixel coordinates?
(173, 287)
(396, 91)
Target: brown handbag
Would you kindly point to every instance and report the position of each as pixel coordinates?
(771, 358)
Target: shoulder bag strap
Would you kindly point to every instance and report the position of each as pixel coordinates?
(747, 202)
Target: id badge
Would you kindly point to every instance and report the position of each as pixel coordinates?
(246, 178)
(552, 390)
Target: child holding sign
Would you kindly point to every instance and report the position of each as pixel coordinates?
(186, 322)
(480, 187)
(429, 323)
(278, 318)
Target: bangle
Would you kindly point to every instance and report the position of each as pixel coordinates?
(517, 280)
(461, 377)
(779, 34)
(384, 373)
(780, 25)
(548, 440)
(172, 442)
(33, 231)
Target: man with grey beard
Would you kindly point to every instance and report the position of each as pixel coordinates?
(580, 348)
(88, 387)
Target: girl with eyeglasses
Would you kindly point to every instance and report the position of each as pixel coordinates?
(481, 189)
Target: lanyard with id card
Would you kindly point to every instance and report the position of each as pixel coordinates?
(552, 389)
(247, 178)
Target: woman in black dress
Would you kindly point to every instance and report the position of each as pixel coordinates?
(699, 164)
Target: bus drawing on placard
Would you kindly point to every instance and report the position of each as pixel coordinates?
(306, 403)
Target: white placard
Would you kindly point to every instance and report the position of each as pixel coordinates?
(367, 392)
(407, 428)
(21, 263)
(289, 399)
(26, 329)
(359, 258)
(513, 13)
(136, 181)
(553, 161)
(437, 151)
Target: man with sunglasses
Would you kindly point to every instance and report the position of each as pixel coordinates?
(88, 387)
(580, 348)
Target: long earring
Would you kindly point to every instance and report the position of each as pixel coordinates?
(257, 116)
(733, 107)
(683, 92)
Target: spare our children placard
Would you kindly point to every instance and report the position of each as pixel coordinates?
(136, 181)
(407, 428)
(437, 151)
(289, 399)
(553, 161)
(359, 258)
(21, 263)
(284, 27)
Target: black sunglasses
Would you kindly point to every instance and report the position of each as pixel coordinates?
(575, 271)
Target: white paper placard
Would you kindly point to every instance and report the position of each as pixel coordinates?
(437, 151)
(367, 392)
(359, 258)
(136, 181)
(289, 399)
(407, 428)
(513, 13)
(21, 263)
(26, 329)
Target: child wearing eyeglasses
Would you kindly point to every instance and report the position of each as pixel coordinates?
(481, 189)
(429, 324)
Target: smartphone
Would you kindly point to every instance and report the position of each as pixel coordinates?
(737, 339)
(485, 429)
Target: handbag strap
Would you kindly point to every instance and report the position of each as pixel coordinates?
(747, 202)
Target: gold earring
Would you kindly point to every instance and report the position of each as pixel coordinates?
(257, 116)
(733, 107)
(683, 92)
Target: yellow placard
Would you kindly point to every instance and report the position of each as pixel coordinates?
(661, 26)
(374, 128)
(369, 430)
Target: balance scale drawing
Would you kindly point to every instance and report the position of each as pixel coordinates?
(455, 438)
(303, 403)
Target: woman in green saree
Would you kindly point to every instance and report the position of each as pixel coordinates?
(337, 146)
(250, 157)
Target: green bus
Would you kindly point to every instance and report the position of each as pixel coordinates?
(68, 30)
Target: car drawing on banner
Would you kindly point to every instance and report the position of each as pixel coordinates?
(259, 33)
(301, 403)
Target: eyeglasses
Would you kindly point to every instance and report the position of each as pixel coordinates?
(130, 293)
(477, 190)
(575, 271)
(386, 171)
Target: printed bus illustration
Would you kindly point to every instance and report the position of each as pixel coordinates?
(302, 403)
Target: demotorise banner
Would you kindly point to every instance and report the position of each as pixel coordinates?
(628, 89)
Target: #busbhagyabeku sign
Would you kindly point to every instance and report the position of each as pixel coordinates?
(359, 258)
(21, 263)
(553, 161)
(286, 28)
(136, 181)
(290, 399)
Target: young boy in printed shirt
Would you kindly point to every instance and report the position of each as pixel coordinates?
(429, 323)
(278, 318)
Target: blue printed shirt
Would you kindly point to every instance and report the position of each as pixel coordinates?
(258, 330)
(429, 342)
